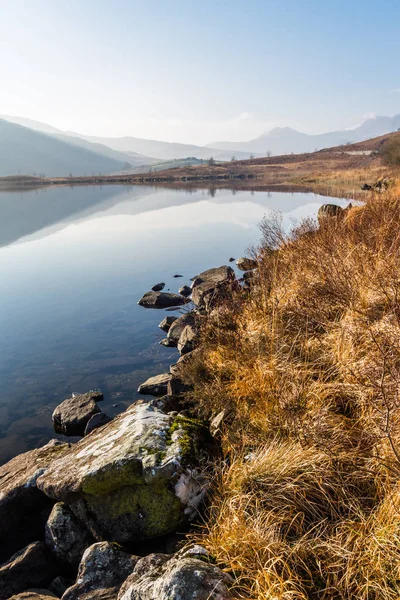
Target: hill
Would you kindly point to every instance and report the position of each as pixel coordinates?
(162, 150)
(284, 140)
(29, 152)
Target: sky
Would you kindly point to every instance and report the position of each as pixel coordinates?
(199, 71)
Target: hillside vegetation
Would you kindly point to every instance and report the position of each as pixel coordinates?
(306, 369)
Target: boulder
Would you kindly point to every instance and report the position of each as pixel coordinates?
(98, 420)
(134, 479)
(185, 290)
(36, 594)
(71, 416)
(31, 567)
(59, 585)
(179, 325)
(187, 574)
(168, 343)
(23, 508)
(188, 339)
(155, 386)
(176, 369)
(161, 300)
(329, 211)
(213, 286)
(246, 264)
(65, 536)
(102, 570)
(176, 387)
(167, 322)
(158, 287)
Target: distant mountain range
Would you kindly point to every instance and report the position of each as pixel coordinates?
(32, 148)
(162, 150)
(284, 140)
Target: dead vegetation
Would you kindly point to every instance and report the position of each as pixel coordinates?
(307, 371)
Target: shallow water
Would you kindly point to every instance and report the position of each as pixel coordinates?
(74, 262)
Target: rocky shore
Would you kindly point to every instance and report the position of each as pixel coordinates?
(101, 515)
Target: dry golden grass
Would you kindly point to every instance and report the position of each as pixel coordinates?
(307, 370)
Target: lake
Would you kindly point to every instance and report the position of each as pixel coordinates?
(75, 261)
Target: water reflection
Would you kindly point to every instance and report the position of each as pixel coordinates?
(74, 263)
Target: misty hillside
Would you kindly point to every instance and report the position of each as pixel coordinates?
(284, 140)
(162, 150)
(28, 152)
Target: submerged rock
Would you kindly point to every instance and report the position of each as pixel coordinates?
(102, 570)
(71, 416)
(134, 479)
(161, 300)
(23, 508)
(158, 287)
(65, 536)
(155, 386)
(167, 322)
(168, 343)
(246, 264)
(213, 286)
(98, 420)
(187, 574)
(31, 567)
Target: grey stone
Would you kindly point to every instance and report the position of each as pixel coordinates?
(161, 300)
(59, 585)
(71, 416)
(188, 340)
(65, 536)
(155, 386)
(213, 286)
(176, 387)
(179, 325)
(185, 290)
(31, 567)
(98, 420)
(23, 508)
(167, 322)
(102, 570)
(158, 287)
(134, 479)
(186, 575)
(168, 343)
(246, 264)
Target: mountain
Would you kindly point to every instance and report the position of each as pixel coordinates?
(35, 125)
(28, 152)
(284, 140)
(162, 150)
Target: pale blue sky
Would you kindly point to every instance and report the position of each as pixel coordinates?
(188, 71)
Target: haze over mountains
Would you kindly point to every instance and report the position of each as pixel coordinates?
(29, 147)
(284, 140)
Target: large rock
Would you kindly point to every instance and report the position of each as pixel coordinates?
(71, 416)
(187, 575)
(167, 322)
(213, 286)
(102, 570)
(246, 264)
(188, 340)
(23, 508)
(158, 287)
(161, 300)
(176, 329)
(155, 386)
(31, 567)
(185, 290)
(330, 210)
(34, 595)
(66, 537)
(135, 478)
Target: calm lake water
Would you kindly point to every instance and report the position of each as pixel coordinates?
(75, 261)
